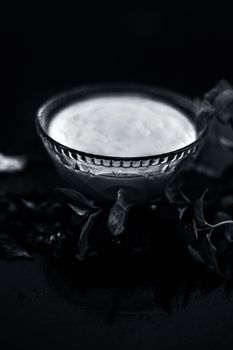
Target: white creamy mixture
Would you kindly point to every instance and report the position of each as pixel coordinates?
(124, 126)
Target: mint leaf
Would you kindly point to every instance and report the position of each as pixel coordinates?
(118, 214)
(77, 201)
(199, 212)
(83, 241)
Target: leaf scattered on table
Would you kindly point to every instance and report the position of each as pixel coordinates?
(204, 112)
(222, 236)
(77, 210)
(218, 88)
(11, 249)
(12, 164)
(118, 214)
(190, 232)
(196, 256)
(83, 240)
(209, 253)
(199, 211)
(77, 201)
(221, 97)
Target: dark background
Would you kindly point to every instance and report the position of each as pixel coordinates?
(54, 45)
(51, 46)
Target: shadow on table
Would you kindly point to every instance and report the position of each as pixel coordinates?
(117, 283)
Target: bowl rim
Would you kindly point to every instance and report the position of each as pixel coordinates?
(88, 91)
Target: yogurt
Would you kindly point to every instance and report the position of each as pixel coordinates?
(122, 126)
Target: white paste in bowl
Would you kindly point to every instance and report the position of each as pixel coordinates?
(122, 126)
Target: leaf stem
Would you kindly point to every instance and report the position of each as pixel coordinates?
(215, 225)
(221, 223)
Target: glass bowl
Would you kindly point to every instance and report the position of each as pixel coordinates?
(99, 177)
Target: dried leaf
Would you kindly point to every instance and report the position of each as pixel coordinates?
(118, 214)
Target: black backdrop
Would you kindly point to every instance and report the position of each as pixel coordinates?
(50, 46)
(54, 45)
